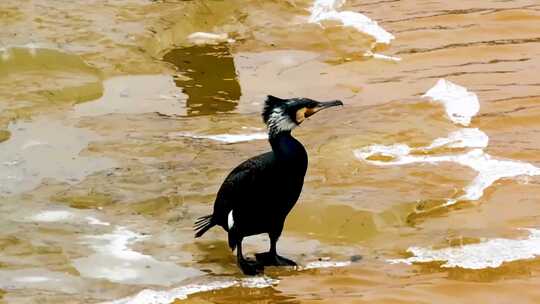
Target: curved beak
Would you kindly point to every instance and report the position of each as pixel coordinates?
(321, 105)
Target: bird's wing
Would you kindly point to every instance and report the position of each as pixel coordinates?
(245, 178)
(249, 173)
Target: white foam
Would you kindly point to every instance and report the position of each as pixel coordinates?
(258, 282)
(489, 169)
(460, 104)
(209, 38)
(226, 138)
(149, 296)
(327, 10)
(382, 56)
(52, 216)
(115, 261)
(326, 264)
(490, 253)
(463, 138)
(31, 279)
(397, 151)
(95, 221)
(116, 243)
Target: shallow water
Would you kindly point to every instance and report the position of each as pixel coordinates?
(118, 124)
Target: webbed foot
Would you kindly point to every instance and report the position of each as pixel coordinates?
(250, 267)
(272, 259)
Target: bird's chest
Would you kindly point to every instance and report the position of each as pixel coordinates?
(286, 188)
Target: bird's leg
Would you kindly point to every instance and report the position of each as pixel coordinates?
(271, 258)
(248, 267)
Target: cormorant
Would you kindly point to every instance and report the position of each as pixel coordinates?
(258, 194)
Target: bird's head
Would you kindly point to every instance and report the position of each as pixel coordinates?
(281, 115)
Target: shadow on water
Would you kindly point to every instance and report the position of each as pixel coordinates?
(215, 257)
(210, 79)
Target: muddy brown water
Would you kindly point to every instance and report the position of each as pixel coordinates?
(103, 168)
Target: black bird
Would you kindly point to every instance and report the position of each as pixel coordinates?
(257, 195)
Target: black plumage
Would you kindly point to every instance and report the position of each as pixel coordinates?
(258, 194)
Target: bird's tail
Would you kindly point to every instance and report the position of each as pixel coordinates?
(203, 224)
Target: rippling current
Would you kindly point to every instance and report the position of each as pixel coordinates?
(119, 120)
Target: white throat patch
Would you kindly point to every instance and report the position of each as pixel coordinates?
(279, 121)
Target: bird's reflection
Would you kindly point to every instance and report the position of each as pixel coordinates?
(210, 78)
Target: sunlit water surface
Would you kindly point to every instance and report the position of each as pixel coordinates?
(120, 119)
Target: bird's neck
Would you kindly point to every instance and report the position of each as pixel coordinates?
(287, 148)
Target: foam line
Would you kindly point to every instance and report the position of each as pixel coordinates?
(327, 10)
(382, 56)
(461, 105)
(490, 253)
(150, 296)
(225, 138)
(115, 261)
(489, 169)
